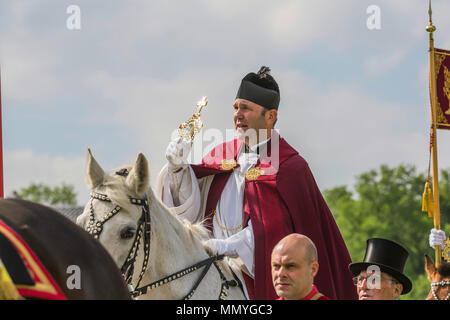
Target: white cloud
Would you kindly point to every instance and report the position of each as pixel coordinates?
(295, 25)
(235, 29)
(24, 167)
(380, 64)
(408, 19)
(150, 109)
(29, 58)
(29, 78)
(343, 130)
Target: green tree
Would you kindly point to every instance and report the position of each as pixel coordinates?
(44, 194)
(387, 203)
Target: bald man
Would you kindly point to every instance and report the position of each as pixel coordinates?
(294, 266)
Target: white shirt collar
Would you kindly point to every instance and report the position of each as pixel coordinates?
(259, 145)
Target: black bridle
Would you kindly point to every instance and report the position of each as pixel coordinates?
(95, 228)
(226, 284)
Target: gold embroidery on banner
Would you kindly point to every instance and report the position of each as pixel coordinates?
(439, 58)
(441, 119)
(446, 89)
(446, 252)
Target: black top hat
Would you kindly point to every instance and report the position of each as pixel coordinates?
(389, 256)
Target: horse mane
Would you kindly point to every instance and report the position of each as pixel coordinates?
(198, 229)
(444, 269)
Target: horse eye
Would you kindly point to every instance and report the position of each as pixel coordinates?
(127, 233)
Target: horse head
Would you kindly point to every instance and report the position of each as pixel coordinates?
(439, 279)
(148, 242)
(114, 193)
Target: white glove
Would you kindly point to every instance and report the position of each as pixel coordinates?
(220, 246)
(177, 153)
(437, 238)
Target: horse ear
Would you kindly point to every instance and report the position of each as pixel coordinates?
(139, 176)
(94, 173)
(429, 266)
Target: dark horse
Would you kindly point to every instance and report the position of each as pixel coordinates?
(63, 261)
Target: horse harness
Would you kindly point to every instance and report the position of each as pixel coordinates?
(226, 284)
(439, 284)
(95, 227)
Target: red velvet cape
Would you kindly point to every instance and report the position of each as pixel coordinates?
(280, 203)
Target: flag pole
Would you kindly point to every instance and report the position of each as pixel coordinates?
(436, 209)
(1, 141)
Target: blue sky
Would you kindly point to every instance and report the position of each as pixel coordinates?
(351, 98)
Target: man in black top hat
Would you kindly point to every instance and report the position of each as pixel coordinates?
(380, 276)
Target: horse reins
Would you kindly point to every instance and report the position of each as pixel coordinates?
(439, 284)
(95, 228)
(226, 284)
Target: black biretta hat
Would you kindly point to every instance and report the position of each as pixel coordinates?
(260, 88)
(389, 256)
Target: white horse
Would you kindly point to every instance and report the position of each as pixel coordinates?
(161, 256)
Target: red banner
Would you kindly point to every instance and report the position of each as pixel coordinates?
(442, 72)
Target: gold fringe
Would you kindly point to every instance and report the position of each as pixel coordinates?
(427, 200)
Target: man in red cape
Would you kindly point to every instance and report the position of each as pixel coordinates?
(276, 195)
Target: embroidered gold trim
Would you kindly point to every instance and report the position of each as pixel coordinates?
(42, 283)
(228, 164)
(446, 90)
(440, 57)
(446, 252)
(442, 120)
(317, 296)
(253, 173)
